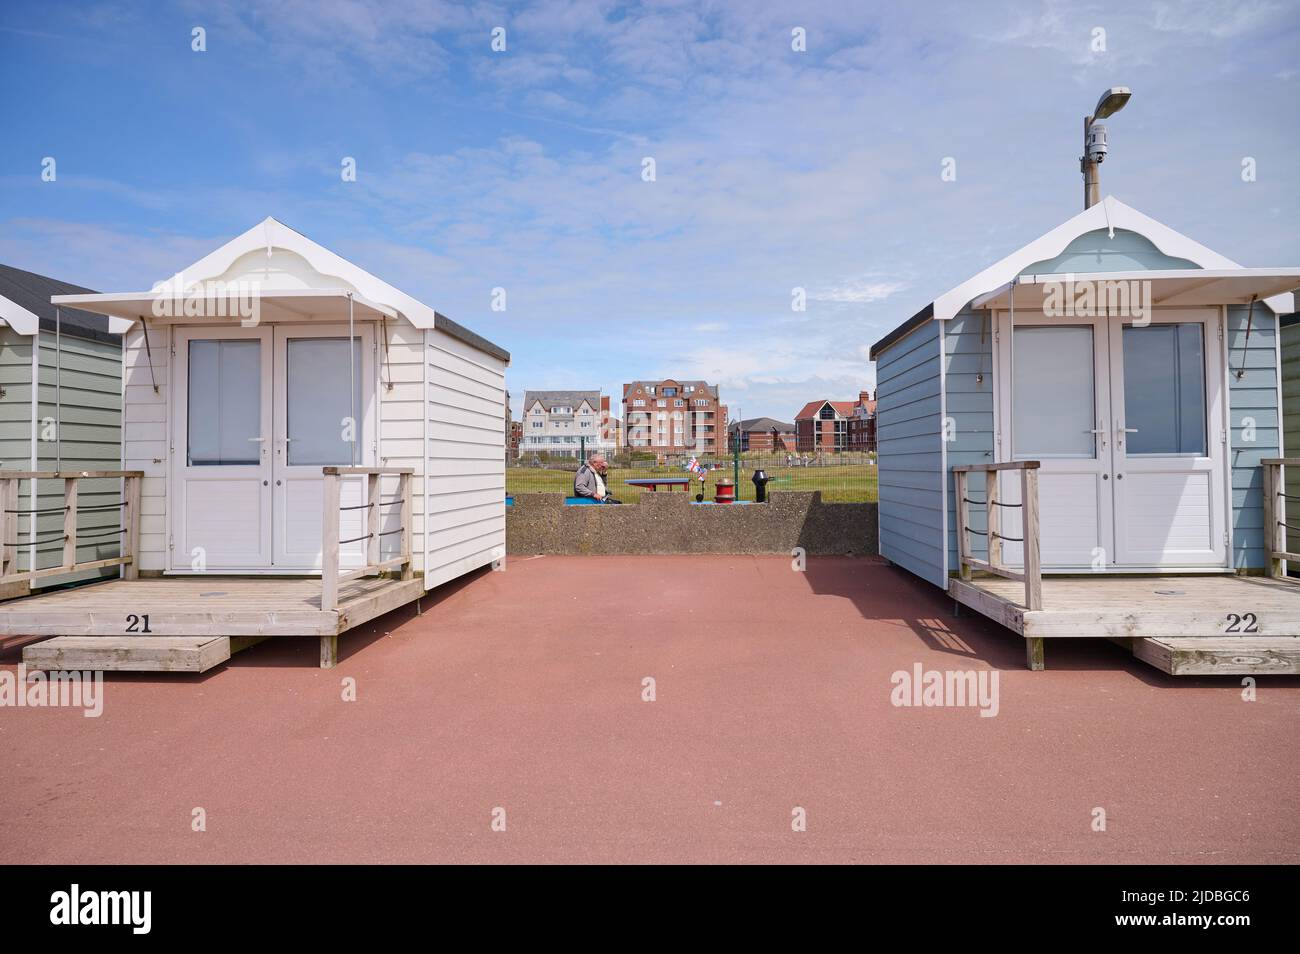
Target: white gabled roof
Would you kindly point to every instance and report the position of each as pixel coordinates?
(17, 317)
(270, 234)
(293, 277)
(1219, 276)
(335, 277)
(1183, 287)
(1110, 214)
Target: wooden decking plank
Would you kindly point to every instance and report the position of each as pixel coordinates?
(1141, 607)
(128, 653)
(1208, 656)
(361, 609)
(204, 606)
(1003, 611)
(1248, 623)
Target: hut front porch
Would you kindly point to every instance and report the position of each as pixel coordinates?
(1184, 624)
(129, 613)
(191, 612)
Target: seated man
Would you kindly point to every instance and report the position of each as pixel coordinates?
(589, 481)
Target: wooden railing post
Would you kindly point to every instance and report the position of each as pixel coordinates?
(963, 521)
(332, 574)
(70, 487)
(131, 524)
(404, 487)
(1277, 551)
(9, 526)
(1033, 554)
(993, 516)
(1281, 540)
(372, 519)
(329, 570)
(1031, 574)
(12, 581)
(1274, 531)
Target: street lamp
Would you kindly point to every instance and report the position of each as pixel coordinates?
(1094, 141)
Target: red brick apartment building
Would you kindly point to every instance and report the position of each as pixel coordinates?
(673, 417)
(762, 434)
(833, 426)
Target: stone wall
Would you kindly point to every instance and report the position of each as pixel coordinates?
(668, 522)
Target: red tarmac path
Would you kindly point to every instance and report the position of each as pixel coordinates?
(522, 689)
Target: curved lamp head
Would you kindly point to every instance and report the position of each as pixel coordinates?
(1112, 101)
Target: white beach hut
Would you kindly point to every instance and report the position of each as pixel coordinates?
(324, 483)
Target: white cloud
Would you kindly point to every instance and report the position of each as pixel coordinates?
(860, 291)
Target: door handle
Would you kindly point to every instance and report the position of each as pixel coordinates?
(259, 440)
(1099, 429)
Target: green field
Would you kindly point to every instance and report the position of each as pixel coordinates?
(852, 483)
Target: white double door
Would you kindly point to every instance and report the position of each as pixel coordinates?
(1127, 421)
(258, 413)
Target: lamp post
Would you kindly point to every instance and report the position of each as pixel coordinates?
(1094, 141)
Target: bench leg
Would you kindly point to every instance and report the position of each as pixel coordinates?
(329, 651)
(1034, 653)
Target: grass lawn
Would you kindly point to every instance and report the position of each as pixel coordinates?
(838, 484)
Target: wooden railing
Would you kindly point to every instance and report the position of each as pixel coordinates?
(1031, 573)
(11, 518)
(331, 574)
(1275, 525)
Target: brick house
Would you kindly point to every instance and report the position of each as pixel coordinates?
(862, 425)
(834, 426)
(673, 417)
(762, 434)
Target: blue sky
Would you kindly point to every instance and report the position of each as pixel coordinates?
(521, 169)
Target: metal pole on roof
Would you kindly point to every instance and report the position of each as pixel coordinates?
(352, 382)
(58, 386)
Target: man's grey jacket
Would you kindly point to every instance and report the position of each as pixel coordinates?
(584, 482)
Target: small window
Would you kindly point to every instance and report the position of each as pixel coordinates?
(225, 402)
(1164, 390)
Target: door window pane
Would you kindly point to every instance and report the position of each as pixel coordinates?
(225, 403)
(318, 403)
(1164, 390)
(1053, 403)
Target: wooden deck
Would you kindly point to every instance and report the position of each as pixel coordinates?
(1236, 615)
(206, 606)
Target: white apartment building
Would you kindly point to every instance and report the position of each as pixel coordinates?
(565, 423)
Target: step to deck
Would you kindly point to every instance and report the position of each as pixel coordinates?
(129, 653)
(1221, 656)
